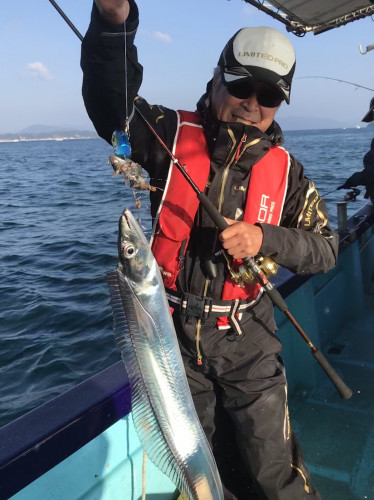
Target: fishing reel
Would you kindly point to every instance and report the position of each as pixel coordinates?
(352, 195)
(243, 275)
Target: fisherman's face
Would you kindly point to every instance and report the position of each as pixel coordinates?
(228, 108)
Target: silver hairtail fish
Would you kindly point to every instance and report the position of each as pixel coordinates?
(162, 408)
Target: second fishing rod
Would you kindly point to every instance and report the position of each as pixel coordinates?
(252, 269)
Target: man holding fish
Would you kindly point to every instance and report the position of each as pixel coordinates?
(232, 149)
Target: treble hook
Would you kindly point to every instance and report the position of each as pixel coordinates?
(368, 48)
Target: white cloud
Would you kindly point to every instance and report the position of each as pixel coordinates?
(162, 36)
(38, 70)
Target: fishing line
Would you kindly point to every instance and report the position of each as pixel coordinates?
(126, 94)
(137, 202)
(143, 475)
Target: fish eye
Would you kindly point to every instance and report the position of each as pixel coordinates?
(129, 250)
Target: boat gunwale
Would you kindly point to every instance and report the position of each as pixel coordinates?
(42, 438)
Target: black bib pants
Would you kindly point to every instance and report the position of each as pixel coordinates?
(240, 395)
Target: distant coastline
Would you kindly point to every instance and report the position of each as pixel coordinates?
(64, 138)
(47, 133)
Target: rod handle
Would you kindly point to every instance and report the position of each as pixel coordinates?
(213, 213)
(344, 391)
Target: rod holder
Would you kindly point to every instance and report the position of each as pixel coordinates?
(342, 216)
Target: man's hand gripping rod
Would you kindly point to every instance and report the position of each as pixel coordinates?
(344, 391)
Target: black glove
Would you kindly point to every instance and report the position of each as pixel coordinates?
(354, 180)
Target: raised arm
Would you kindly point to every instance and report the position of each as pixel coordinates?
(108, 97)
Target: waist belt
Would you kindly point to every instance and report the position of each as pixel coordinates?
(205, 307)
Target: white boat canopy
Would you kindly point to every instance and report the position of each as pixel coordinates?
(317, 16)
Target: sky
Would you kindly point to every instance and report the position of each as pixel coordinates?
(179, 42)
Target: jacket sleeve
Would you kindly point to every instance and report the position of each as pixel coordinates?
(103, 64)
(368, 172)
(304, 242)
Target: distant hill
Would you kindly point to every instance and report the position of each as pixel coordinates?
(40, 132)
(43, 129)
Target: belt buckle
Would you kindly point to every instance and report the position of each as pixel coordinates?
(195, 306)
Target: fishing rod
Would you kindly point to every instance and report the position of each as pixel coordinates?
(66, 19)
(250, 265)
(329, 192)
(336, 80)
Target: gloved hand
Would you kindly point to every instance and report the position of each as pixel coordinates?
(352, 181)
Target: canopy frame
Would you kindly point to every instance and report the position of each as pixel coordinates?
(299, 27)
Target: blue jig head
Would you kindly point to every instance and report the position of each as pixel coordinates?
(121, 144)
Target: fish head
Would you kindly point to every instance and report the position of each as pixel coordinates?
(135, 258)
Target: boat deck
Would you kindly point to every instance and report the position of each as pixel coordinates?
(337, 436)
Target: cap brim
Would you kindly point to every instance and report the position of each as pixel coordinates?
(369, 117)
(260, 75)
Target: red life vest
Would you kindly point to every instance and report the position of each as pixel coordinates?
(175, 217)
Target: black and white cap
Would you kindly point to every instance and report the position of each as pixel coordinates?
(369, 117)
(260, 53)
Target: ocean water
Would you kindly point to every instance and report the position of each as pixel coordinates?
(59, 211)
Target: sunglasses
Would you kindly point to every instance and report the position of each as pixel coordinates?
(267, 97)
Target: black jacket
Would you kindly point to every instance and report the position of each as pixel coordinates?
(303, 242)
(364, 177)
